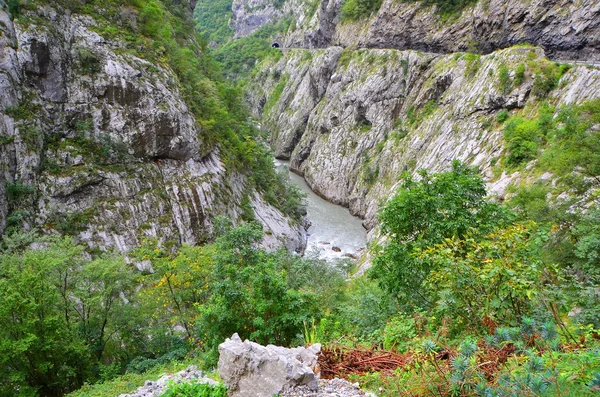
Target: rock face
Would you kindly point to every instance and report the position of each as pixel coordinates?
(384, 112)
(313, 24)
(250, 15)
(100, 143)
(564, 29)
(251, 370)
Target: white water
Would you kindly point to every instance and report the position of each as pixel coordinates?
(330, 223)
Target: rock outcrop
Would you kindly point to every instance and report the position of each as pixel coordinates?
(313, 25)
(99, 143)
(251, 370)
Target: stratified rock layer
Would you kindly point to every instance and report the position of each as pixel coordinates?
(107, 143)
(564, 29)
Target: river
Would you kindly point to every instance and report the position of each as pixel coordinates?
(332, 226)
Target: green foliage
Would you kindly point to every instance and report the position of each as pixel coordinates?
(21, 199)
(14, 8)
(520, 74)
(497, 277)
(353, 10)
(547, 77)
(502, 116)
(195, 389)
(574, 145)
(399, 332)
(345, 57)
(58, 318)
(212, 20)
(276, 93)
(424, 213)
(129, 382)
(250, 294)
(504, 80)
(473, 64)
(89, 63)
(448, 9)
(239, 57)
(523, 137)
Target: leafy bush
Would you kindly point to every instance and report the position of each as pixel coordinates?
(496, 278)
(195, 389)
(399, 332)
(250, 294)
(424, 213)
(547, 77)
(58, 318)
(89, 63)
(524, 137)
(504, 80)
(502, 116)
(448, 9)
(520, 75)
(353, 10)
(14, 8)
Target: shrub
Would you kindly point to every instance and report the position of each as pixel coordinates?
(547, 77)
(14, 8)
(353, 10)
(89, 63)
(504, 81)
(195, 389)
(520, 74)
(399, 332)
(424, 213)
(523, 138)
(502, 116)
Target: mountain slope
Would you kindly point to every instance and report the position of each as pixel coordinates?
(114, 126)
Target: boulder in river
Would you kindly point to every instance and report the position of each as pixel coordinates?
(336, 249)
(251, 370)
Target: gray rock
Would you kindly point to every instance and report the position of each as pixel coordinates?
(329, 388)
(158, 387)
(251, 370)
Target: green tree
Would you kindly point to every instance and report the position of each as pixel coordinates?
(497, 277)
(424, 213)
(41, 350)
(250, 294)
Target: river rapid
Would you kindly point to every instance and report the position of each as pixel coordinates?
(334, 232)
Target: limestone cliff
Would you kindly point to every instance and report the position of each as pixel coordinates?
(98, 142)
(352, 121)
(564, 29)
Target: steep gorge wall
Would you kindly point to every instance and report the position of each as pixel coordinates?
(99, 143)
(352, 121)
(564, 29)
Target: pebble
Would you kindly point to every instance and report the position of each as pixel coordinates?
(329, 388)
